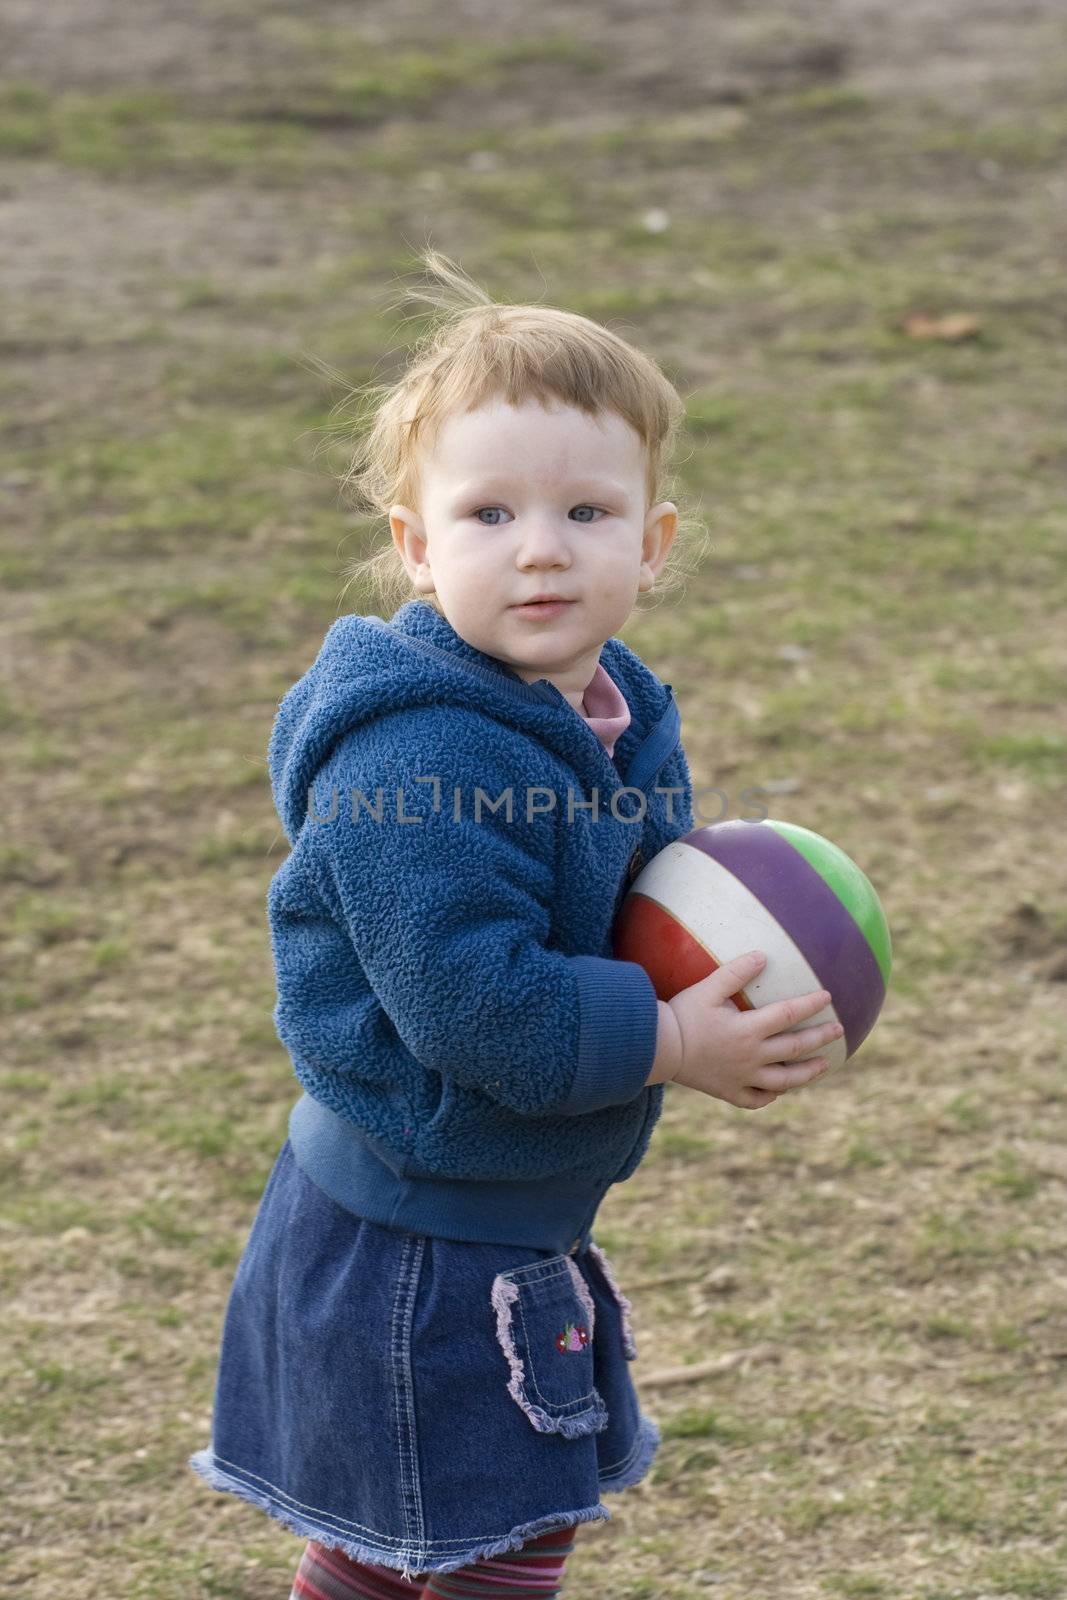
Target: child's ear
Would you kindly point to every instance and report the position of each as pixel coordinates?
(409, 536)
(661, 525)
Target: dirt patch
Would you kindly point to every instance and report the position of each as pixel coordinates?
(970, 52)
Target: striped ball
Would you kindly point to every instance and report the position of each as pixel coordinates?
(772, 886)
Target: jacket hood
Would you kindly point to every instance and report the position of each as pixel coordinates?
(367, 667)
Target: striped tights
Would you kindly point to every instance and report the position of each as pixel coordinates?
(532, 1573)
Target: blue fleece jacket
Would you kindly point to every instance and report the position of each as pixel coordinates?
(473, 1058)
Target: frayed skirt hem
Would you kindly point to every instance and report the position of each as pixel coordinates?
(632, 1470)
(411, 1564)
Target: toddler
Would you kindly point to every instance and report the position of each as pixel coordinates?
(424, 1368)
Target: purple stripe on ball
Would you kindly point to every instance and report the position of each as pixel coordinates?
(804, 905)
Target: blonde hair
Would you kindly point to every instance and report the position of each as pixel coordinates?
(478, 350)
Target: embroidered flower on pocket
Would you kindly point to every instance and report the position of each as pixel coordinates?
(544, 1308)
(573, 1337)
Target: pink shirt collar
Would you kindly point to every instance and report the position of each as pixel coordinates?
(604, 708)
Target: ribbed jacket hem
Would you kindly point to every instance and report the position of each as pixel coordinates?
(553, 1213)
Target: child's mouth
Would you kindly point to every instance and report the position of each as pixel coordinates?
(542, 608)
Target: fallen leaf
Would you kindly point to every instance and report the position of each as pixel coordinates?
(956, 326)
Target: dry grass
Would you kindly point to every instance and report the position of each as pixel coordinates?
(876, 635)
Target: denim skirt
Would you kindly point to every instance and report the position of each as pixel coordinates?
(416, 1401)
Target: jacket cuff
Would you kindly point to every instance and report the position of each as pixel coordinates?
(618, 1015)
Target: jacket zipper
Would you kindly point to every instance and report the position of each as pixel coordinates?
(666, 732)
(666, 728)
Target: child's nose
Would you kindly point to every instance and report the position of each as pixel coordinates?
(540, 535)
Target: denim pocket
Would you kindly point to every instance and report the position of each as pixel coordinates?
(544, 1323)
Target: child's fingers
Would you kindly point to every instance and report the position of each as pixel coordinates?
(731, 977)
(795, 1046)
(777, 1079)
(752, 1099)
(780, 1015)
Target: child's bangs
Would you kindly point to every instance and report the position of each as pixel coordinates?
(548, 357)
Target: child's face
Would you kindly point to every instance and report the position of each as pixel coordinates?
(519, 501)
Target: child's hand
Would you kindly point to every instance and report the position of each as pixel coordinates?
(742, 1056)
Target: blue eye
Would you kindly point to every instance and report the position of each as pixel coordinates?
(478, 514)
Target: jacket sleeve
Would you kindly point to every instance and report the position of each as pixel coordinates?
(449, 918)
